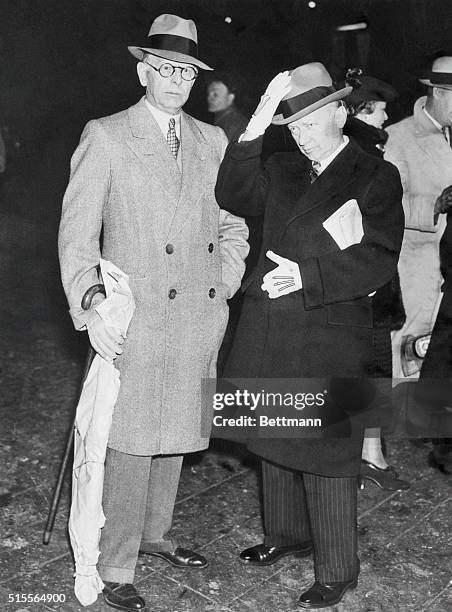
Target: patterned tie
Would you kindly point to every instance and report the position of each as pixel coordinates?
(314, 171)
(171, 137)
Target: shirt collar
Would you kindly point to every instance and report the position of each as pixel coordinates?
(434, 121)
(163, 118)
(326, 162)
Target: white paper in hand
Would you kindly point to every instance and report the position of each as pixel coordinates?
(345, 225)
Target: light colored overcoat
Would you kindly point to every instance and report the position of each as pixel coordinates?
(424, 159)
(184, 257)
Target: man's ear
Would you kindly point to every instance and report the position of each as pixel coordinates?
(341, 116)
(142, 73)
(231, 98)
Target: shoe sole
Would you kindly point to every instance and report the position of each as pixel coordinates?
(123, 608)
(309, 606)
(191, 567)
(376, 482)
(298, 554)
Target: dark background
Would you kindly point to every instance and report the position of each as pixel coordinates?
(64, 62)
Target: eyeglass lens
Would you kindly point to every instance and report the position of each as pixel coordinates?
(187, 72)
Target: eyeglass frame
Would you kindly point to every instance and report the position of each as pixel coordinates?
(181, 68)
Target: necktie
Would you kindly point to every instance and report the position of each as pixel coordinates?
(447, 134)
(171, 137)
(314, 171)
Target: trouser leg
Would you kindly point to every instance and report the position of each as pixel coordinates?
(284, 505)
(332, 506)
(161, 497)
(124, 504)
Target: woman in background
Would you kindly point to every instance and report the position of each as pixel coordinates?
(366, 107)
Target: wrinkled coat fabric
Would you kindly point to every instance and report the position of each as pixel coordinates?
(184, 258)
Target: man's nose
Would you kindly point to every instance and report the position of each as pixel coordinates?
(176, 77)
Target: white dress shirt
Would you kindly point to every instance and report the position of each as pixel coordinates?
(163, 118)
(326, 162)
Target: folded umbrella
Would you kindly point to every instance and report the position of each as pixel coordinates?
(92, 426)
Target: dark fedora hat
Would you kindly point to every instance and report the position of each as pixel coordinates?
(371, 90)
(440, 74)
(311, 87)
(172, 38)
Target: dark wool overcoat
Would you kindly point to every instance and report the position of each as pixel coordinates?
(325, 329)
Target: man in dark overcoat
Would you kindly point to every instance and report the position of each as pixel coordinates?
(145, 177)
(311, 316)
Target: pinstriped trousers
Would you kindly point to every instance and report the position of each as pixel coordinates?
(301, 507)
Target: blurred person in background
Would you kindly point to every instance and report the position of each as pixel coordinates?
(434, 390)
(222, 93)
(366, 107)
(420, 147)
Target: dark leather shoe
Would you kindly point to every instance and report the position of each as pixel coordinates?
(262, 555)
(385, 478)
(122, 596)
(181, 557)
(322, 595)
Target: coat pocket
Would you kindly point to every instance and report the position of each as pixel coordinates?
(356, 314)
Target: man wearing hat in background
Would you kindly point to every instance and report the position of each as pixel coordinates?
(146, 177)
(420, 147)
(311, 315)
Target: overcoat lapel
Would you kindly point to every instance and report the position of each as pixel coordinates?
(432, 141)
(195, 151)
(150, 146)
(333, 180)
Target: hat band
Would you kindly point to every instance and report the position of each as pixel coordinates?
(291, 106)
(445, 78)
(170, 42)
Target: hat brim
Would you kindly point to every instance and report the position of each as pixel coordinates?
(174, 56)
(337, 95)
(430, 84)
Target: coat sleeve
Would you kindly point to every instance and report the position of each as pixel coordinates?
(232, 238)
(361, 268)
(418, 208)
(242, 181)
(81, 219)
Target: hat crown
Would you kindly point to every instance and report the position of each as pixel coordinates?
(307, 77)
(442, 64)
(173, 25)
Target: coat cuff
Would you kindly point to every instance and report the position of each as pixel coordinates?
(312, 282)
(246, 149)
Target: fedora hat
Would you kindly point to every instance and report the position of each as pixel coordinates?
(440, 74)
(171, 38)
(311, 87)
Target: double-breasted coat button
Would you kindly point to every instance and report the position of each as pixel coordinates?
(172, 294)
(169, 249)
(212, 293)
(210, 247)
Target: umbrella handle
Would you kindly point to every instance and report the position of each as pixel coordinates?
(86, 305)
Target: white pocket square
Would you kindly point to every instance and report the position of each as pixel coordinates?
(345, 225)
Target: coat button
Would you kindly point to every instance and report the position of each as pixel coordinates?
(212, 293)
(169, 249)
(210, 247)
(172, 294)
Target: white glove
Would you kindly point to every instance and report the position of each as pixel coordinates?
(282, 280)
(263, 115)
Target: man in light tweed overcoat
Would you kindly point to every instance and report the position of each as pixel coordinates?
(146, 176)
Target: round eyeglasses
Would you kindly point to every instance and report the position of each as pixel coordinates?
(188, 73)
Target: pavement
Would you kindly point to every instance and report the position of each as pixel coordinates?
(405, 537)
